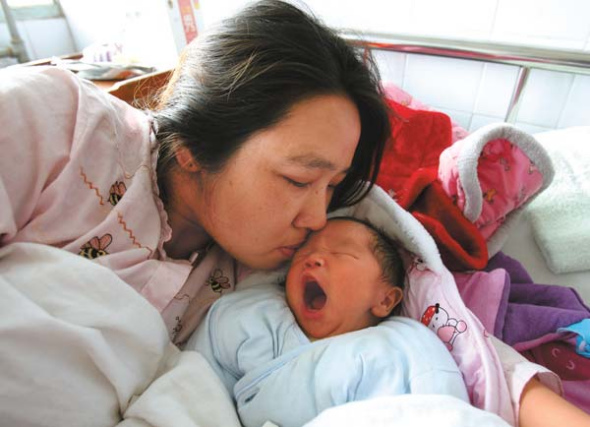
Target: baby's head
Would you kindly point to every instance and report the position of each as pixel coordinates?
(347, 276)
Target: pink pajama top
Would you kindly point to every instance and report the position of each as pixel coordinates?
(77, 171)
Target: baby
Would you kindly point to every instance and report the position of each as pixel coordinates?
(326, 338)
(347, 277)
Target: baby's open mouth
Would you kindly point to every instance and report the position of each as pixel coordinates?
(314, 297)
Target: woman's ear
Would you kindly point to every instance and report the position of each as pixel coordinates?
(185, 160)
(389, 300)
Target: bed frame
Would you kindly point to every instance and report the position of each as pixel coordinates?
(139, 90)
(525, 58)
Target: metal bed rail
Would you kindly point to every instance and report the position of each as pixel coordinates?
(17, 46)
(525, 58)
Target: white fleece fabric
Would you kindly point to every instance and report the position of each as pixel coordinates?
(560, 217)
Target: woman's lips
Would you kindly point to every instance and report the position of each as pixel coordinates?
(289, 251)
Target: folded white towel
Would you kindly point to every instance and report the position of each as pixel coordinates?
(560, 216)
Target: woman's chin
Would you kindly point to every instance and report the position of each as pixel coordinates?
(270, 261)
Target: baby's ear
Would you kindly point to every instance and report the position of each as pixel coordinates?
(185, 160)
(391, 297)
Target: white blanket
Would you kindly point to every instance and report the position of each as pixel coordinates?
(79, 347)
(410, 410)
(559, 216)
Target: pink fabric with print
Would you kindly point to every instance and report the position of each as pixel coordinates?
(433, 298)
(507, 178)
(90, 188)
(520, 180)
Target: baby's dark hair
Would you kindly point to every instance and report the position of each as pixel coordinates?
(387, 252)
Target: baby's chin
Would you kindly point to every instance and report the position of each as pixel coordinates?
(311, 335)
(327, 331)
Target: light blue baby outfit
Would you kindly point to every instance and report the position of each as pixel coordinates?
(274, 372)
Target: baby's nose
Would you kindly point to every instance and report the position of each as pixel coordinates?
(314, 260)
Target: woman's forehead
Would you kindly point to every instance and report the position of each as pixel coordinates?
(318, 133)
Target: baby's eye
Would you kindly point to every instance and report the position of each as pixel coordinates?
(345, 254)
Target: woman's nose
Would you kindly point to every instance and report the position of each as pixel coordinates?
(312, 215)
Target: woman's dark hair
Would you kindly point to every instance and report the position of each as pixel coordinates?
(244, 77)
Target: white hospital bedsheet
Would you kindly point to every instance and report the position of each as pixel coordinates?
(79, 347)
(521, 245)
(534, 249)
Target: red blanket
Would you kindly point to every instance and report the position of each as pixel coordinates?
(409, 173)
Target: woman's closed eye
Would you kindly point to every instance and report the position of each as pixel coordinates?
(296, 183)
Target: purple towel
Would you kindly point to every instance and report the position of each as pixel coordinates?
(534, 312)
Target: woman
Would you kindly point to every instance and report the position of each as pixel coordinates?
(268, 121)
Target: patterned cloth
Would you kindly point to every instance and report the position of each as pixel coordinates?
(79, 174)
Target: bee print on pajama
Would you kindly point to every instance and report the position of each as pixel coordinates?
(218, 282)
(96, 247)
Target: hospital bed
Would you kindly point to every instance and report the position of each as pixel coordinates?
(148, 379)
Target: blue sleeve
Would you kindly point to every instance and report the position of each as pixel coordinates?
(242, 331)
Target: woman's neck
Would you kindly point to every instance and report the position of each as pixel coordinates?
(187, 236)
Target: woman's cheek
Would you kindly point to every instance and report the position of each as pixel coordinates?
(285, 197)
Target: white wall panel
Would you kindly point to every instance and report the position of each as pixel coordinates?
(56, 40)
(368, 15)
(456, 18)
(480, 120)
(495, 91)
(43, 38)
(462, 118)
(441, 82)
(391, 66)
(550, 23)
(544, 98)
(577, 108)
(532, 129)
